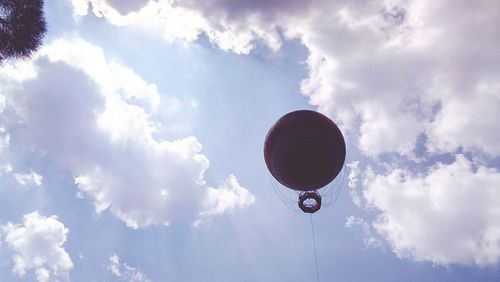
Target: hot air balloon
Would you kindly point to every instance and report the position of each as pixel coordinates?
(305, 151)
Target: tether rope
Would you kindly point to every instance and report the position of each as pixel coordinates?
(314, 244)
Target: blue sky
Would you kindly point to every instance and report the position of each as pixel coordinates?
(131, 143)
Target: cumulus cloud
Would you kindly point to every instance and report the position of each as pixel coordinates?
(369, 239)
(16, 70)
(6, 168)
(448, 215)
(382, 68)
(390, 72)
(394, 71)
(392, 81)
(110, 76)
(468, 121)
(4, 139)
(4, 135)
(38, 245)
(177, 21)
(124, 272)
(365, 83)
(31, 178)
(95, 120)
(353, 180)
(228, 196)
(379, 68)
(2, 103)
(126, 6)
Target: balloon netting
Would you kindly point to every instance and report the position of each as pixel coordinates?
(329, 194)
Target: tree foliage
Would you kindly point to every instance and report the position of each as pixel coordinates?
(22, 27)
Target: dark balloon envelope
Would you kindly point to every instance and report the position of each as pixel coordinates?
(304, 150)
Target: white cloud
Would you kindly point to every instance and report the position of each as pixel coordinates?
(353, 179)
(379, 68)
(102, 7)
(6, 168)
(177, 21)
(364, 84)
(390, 81)
(373, 65)
(354, 172)
(368, 237)
(390, 72)
(38, 245)
(386, 79)
(4, 135)
(99, 8)
(420, 78)
(387, 71)
(2, 103)
(17, 70)
(97, 122)
(4, 139)
(228, 196)
(124, 272)
(468, 121)
(380, 132)
(80, 7)
(113, 79)
(447, 216)
(31, 178)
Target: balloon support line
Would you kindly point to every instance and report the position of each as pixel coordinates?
(314, 245)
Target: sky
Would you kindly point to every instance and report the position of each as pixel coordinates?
(131, 141)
